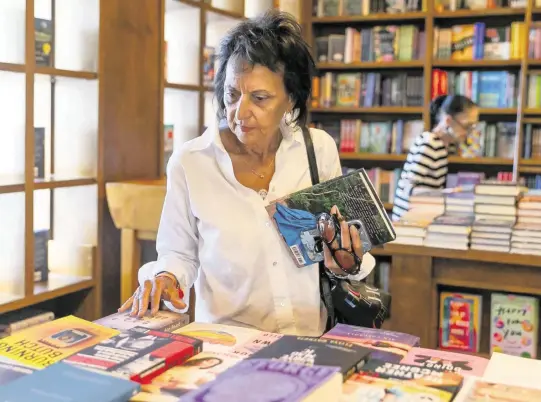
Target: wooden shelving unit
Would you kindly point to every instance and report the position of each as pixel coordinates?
(62, 98)
(430, 18)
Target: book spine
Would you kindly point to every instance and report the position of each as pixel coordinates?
(28, 322)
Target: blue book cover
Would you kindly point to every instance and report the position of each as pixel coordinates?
(67, 383)
(270, 380)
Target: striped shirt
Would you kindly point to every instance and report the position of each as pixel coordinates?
(425, 167)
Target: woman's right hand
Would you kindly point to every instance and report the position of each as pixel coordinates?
(153, 291)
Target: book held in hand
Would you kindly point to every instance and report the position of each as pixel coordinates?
(295, 215)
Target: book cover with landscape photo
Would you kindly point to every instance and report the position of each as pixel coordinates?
(295, 215)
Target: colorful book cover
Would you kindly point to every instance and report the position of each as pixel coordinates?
(371, 389)
(50, 342)
(179, 380)
(386, 345)
(163, 320)
(218, 337)
(460, 321)
(461, 363)
(423, 376)
(295, 215)
(271, 380)
(64, 382)
(514, 324)
(309, 351)
(139, 354)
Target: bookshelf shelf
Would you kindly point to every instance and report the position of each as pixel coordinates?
(395, 65)
(498, 111)
(49, 160)
(476, 14)
(55, 72)
(476, 63)
(14, 68)
(480, 161)
(353, 156)
(183, 87)
(378, 18)
(374, 110)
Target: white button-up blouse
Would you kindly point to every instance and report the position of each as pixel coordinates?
(216, 234)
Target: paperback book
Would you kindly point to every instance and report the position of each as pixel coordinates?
(50, 342)
(295, 215)
(67, 383)
(460, 321)
(316, 352)
(166, 321)
(386, 345)
(514, 324)
(271, 380)
(461, 363)
(139, 354)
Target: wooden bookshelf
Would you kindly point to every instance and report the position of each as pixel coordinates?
(62, 99)
(429, 18)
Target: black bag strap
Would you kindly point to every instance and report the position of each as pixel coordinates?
(324, 280)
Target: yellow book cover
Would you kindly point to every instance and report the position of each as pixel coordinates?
(462, 38)
(48, 343)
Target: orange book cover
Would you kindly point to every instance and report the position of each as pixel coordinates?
(48, 343)
(462, 42)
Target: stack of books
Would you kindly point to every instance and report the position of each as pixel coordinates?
(449, 231)
(497, 200)
(491, 235)
(411, 229)
(428, 202)
(526, 237)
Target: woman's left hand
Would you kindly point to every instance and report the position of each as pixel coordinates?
(350, 240)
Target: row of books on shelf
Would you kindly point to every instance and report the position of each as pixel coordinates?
(455, 5)
(488, 89)
(379, 43)
(514, 323)
(396, 137)
(162, 358)
(367, 90)
(479, 42)
(334, 8)
(477, 214)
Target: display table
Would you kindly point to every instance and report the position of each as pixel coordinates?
(417, 272)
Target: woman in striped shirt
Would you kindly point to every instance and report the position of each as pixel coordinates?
(453, 117)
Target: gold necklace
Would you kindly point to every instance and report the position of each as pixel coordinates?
(260, 175)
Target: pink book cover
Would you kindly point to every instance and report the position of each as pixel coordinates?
(460, 363)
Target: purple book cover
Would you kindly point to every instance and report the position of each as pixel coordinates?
(388, 346)
(271, 380)
(461, 363)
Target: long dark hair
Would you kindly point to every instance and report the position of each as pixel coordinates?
(448, 104)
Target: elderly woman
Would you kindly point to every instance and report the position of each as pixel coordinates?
(215, 232)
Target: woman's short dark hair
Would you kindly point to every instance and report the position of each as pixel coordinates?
(273, 40)
(449, 104)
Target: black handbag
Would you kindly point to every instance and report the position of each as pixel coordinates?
(347, 301)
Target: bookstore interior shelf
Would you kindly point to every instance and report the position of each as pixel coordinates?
(49, 187)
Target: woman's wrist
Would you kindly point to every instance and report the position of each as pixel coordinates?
(173, 278)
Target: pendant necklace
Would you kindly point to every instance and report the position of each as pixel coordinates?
(262, 193)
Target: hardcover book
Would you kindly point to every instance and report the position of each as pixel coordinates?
(42, 345)
(295, 215)
(166, 321)
(461, 363)
(139, 354)
(67, 383)
(481, 391)
(43, 40)
(514, 324)
(257, 343)
(316, 352)
(385, 345)
(271, 380)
